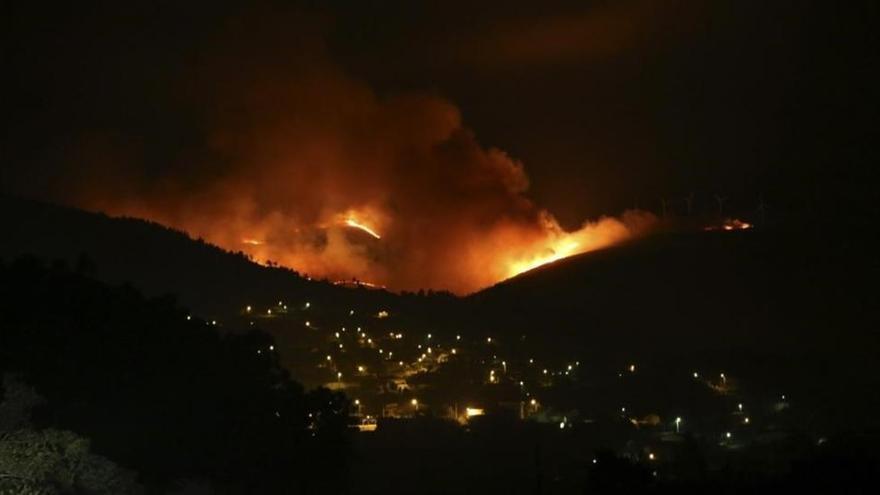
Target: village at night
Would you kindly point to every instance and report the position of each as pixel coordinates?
(581, 247)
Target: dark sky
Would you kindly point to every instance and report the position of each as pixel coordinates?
(605, 102)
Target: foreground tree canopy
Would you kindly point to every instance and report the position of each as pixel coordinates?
(158, 391)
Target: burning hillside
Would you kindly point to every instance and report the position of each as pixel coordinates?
(300, 164)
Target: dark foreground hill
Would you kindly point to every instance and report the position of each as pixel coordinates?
(138, 381)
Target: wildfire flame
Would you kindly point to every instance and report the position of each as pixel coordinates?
(296, 153)
(351, 222)
(562, 250)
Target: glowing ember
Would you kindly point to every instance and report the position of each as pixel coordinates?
(351, 222)
(252, 242)
(358, 283)
(730, 224)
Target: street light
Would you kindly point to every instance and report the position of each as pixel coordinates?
(415, 404)
(677, 424)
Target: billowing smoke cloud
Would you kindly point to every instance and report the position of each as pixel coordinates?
(294, 155)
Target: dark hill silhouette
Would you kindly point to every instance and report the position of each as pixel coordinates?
(784, 309)
(161, 393)
(157, 259)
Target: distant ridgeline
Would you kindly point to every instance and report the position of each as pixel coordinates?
(153, 258)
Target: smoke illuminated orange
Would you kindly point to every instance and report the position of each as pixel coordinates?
(319, 156)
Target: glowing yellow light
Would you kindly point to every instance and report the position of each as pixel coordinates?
(473, 411)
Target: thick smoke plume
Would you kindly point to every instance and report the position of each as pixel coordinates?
(294, 154)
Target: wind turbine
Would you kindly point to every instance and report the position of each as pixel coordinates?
(761, 210)
(720, 199)
(689, 202)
